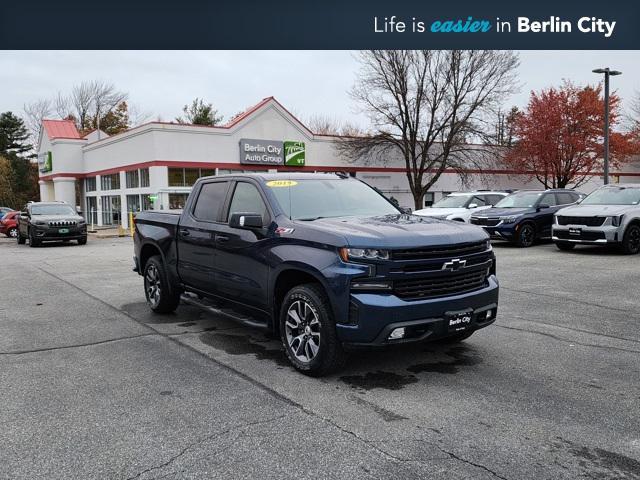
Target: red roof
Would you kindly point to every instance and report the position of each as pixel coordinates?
(61, 129)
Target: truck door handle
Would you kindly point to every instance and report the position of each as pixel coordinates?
(222, 238)
(184, 232)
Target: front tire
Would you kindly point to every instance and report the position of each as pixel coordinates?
(526, 235)
(82, 241)
(21, 240)
(565, 246)
(160, 297)
(32, 240)
(631, 240)
(308, 331)
(12, 233)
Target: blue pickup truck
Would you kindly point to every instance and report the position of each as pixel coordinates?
(322, 260)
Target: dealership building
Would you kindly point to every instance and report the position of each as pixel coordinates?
(154, 165)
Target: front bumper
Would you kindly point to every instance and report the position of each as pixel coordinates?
(47, 234)
(502, 231)
(374, 316)
(587, 235)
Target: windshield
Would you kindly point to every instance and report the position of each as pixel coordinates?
(452, 201)
(314, 198)
(519, 200)
(52, 210)
(613, 196)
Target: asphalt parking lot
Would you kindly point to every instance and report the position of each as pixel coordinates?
(95, 386)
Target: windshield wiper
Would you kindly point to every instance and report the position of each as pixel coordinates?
(310, 219)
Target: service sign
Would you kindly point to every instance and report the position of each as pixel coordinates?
(45, 162)
(261, 152)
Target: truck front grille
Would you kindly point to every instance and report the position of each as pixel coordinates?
(584, 235)
(485, 221)
(452, 284)
(446, 251)
(586, 221)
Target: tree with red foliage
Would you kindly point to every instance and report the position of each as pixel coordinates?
(559, 138)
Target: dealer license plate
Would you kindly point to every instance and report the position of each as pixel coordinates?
(459, 321)
(575, 231)
(63, 230)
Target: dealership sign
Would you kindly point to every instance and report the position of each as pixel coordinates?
(272, 152)
(45, 162)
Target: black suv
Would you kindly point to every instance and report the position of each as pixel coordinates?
(525, 216)
(50, 221)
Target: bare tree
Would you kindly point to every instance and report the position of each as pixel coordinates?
(426, 106)
(34, 113)
(324, 125)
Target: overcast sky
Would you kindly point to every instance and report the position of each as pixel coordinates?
(306, 82)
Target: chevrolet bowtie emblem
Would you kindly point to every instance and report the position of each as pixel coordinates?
(455, 264)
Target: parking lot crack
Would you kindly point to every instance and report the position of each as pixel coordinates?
(573, 342)
(205, 439)
(78, 345)
(469, 462)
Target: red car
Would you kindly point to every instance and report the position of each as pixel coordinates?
(9, 224)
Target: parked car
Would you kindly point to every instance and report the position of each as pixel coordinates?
(50, 221)
(525, 216)
(322, 260)
(460, 206)
(608, 216)
(4, 211)
(9, 224)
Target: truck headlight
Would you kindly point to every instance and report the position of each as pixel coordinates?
(510, 219)
(363, 254)
(616, 220)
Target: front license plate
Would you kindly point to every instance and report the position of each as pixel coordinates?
(575, 231)
(459, 321)
(63, 230)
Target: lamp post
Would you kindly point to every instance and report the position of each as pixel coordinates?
(607, 73)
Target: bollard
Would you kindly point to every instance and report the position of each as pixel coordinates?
(131, 223)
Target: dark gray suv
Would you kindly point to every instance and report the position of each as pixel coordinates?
(50, 221)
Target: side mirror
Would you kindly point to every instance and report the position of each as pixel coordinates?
(542, 206)
(579, 200)
(473, 205)
(245, 221)
(405, 210)
(24, 214)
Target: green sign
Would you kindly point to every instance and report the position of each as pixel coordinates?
(45, 162)
(153, 198)
(294, 153)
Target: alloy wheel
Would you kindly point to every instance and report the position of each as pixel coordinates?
(526, 235)
(13, 233)
(152, 285)
(302, 330)
(634, 239)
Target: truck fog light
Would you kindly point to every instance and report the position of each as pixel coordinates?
(397, 333)
(489, 314)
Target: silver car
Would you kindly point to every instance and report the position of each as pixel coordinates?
(610, 215)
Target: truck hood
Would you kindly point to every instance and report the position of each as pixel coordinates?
(597, 210)
(503, 212)
(398, 231)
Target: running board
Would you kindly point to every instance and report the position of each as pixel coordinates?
(192, 299)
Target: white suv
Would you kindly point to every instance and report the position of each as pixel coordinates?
(460, 205)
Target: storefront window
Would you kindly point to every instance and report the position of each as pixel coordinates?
(176, 177)
(133, 203)
(110, 182)
(190, 176)
(90, 184)
(133, 179)
(144, 177)
(186, 177)
(92, 210)
(177, 201)
(111, 210)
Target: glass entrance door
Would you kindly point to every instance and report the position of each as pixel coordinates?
(111, 210)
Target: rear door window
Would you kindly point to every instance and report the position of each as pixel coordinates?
(566, 198)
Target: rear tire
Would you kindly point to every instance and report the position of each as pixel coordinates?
(308, 331)
(160, 297)
(21, 240)
(12, 233)
(566, 246)
(631, 240)
(526, 235)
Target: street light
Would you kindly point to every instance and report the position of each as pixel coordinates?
(607, 74)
